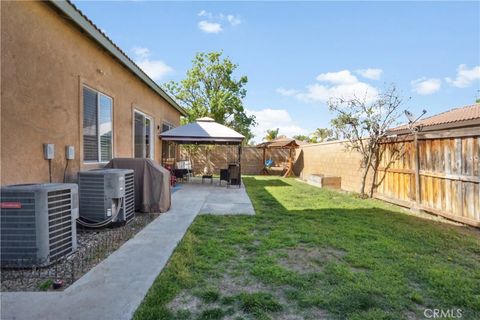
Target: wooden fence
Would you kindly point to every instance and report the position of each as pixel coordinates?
(436, 172)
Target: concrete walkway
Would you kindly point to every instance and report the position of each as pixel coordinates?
(115, 288)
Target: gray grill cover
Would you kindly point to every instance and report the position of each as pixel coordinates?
(152, 183)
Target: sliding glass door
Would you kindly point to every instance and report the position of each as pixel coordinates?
(144, 138)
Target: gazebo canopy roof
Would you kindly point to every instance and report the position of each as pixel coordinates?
(203, 131)
(281, 143)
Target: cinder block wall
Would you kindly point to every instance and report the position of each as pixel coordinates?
(332, 159)
(221, 156)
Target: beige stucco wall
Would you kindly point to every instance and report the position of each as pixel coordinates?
(333, 159)
(45, 61)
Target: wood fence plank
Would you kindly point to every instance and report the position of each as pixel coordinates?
(459, 170)
(448, 175)
(447, 146)
(402, 185)
(477, 174)
(476, 157)
(443, 200)
(428, 156)
(477, 201)
(417, 155)
(469, 198)
(454, 199)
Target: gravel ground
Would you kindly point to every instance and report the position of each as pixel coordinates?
(93, 247)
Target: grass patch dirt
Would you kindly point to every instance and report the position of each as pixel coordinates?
(312, 253)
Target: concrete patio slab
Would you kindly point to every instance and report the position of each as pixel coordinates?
(227, 201)
(115, 288)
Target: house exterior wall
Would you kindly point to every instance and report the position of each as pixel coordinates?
(45, 62)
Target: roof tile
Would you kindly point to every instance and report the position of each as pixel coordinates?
(466, 113)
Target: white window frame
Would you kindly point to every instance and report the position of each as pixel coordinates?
(152, 133)
(99, 93)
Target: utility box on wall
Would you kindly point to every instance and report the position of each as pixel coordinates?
(48, 151)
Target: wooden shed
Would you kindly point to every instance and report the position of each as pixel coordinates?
(434, 165)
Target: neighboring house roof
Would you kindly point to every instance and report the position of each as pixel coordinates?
(454, 118)
(82, 21)
(203, 131)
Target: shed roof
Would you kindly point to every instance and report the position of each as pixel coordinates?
(203, 131)
(458, 117)
(83, 22)
(281, 143)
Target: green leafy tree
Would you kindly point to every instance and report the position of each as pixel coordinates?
(324, 134)
(302, 137)
(272, 134)
(210, 90)
(364, 125)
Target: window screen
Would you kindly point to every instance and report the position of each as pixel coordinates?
(97, 126)
(90, 128)
(140, 141)
(143, 136)
(105, 127)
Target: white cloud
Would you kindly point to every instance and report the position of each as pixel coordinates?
(204, 13)
(155, 69)
(272, 119)
(465, 76)
(210, 27)
(141, 53)
(322, 93)
(344, 76)
(234, 20)
(214, 23)
(287, 92)
(426, 86)
(370, 73)
(341, 84)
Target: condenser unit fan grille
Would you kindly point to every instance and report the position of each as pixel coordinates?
(92, 195)
(59, 223)
(18, 229)
(129, 196)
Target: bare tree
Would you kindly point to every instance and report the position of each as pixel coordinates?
(364, 125)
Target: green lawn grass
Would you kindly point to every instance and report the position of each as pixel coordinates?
(312, 253)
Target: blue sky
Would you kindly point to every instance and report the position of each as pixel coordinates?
(298, 54)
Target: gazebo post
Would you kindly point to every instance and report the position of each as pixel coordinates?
(289, 171)
(264, 170)
(239, 154)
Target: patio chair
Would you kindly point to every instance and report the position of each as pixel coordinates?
(224, 176)
(234, 173)
(183, 169)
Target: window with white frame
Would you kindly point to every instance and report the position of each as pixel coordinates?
(97, 126)
(143, 136)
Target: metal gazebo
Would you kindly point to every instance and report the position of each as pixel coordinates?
(205, 131)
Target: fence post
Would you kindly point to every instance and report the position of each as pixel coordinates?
(418, 200)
